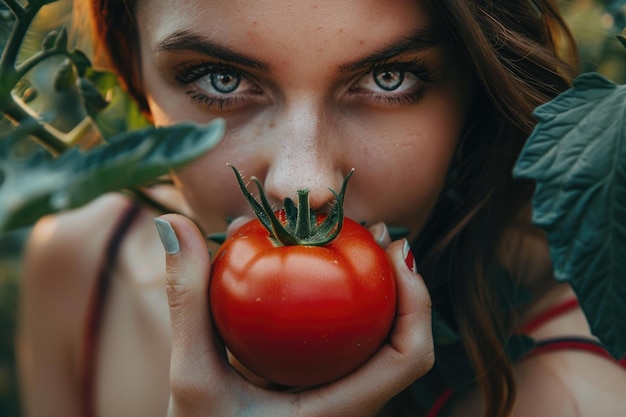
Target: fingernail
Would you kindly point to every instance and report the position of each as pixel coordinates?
(380, 232)
(168, 236)
(409, 259)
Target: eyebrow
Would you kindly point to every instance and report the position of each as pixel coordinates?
(416, 41)
(188, 41)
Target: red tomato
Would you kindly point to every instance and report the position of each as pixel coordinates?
(302, 315)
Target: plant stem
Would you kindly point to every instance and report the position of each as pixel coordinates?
(31, 62)
(16, 8)
(24, 17)
(47, 136)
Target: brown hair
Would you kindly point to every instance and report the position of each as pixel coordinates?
(115, 41)
(512, 49)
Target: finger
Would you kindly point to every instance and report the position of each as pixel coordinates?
(412, 330)
(408, 355)
(380, 232)
(187, 270)
(236, 224)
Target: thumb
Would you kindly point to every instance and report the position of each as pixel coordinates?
(188, 266)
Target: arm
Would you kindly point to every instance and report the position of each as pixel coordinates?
(48, 383)
(58, 274)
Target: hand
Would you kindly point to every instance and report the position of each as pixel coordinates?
(203, 383)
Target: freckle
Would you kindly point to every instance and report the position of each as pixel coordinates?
(319, 28)
(362, 41)
(315, 6)
(271, 125)
(340, 30)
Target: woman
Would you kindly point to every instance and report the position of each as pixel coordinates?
(430, 102)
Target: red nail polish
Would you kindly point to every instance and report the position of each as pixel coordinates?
(409, 259)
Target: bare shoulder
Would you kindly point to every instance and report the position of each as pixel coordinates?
(61, 260)
(563, 383)
(65, 249)
(570, 383)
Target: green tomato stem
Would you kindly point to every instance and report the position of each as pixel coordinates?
(300, 226)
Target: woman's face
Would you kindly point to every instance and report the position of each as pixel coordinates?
(309, 90)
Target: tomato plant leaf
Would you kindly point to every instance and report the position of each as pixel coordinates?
(36, 185)
(577, 156)
(118, 113)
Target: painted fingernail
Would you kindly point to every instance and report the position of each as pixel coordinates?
(379, 231)
(168, 236)
(409, 259)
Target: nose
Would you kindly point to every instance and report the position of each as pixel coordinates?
(306, 155)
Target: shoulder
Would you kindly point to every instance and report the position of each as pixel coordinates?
(60, 266)
(70, 242)
(61, 260)
(570, 383)
(558, 384)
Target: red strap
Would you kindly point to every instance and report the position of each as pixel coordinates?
(440, 402)
(572, 343)
(543, 347)
(550, 314)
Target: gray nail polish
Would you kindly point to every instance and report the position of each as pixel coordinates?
(168, 236)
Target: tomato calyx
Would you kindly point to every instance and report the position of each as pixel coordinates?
(300, 225)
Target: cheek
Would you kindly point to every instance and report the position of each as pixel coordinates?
(209, 184)
(411, 153)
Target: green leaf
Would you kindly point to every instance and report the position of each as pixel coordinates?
(577, 156)
(64, 77)
(49, 40)
(121, 114)
(92, 98)
(60, 42)
(37, 185)
(80, 61)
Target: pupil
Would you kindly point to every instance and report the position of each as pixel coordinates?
(389, 80)
(225, 82)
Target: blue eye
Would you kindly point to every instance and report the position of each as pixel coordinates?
(218, 86)
(224, 82)
(389, 80)
(215, 79)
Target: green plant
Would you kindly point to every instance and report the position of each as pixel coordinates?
(577, 157)
(59, 174)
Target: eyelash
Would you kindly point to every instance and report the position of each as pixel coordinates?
(188, 74)
(417, 67)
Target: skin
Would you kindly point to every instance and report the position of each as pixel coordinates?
(302, 122)
(305, 115)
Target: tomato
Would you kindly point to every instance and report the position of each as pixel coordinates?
(301, 299)
(302, 315)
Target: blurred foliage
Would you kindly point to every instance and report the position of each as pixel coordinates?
(594, 23)
(68, 134)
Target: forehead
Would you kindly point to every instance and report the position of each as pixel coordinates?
(297, 28)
